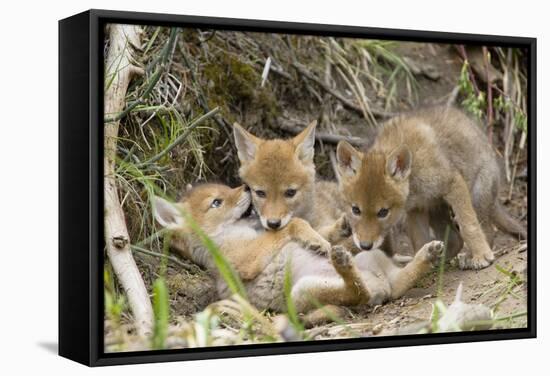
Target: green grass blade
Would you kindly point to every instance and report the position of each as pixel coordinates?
(161, 308)
(290, 306)
(225, 269)
(442, 260)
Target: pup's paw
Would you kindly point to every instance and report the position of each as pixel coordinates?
(432, 251)
(344, 226)
(340, 257)
(489, 256)
(317, 245)
(475, 262)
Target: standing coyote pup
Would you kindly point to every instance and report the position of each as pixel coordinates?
(420, 165)
(340, 279)
(281, 176)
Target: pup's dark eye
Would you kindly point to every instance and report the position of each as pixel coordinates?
(290, 193)
(260, 193)
(383, 213)
(355, 210)
(216, 203)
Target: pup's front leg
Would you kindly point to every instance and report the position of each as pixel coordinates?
(460, 200)
(302, 232)
(337, 232)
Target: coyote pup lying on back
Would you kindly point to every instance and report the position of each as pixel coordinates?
(340, 279)
(223, 213)
(420, 165)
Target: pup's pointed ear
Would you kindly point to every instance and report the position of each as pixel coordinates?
(349, 159)
(246, 143)
(167, 214)
(305, 143)
(399, 162)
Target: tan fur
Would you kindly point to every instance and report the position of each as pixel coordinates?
(340, 279)
(421, 165)
(249, 257)
(275, 166)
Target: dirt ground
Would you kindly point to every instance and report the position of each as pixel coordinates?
(487, 286)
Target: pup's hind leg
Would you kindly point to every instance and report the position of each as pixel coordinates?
(418, 228)
(484, 194)
(440, 219)
(405, 278)
(344, 288)
(486, 223)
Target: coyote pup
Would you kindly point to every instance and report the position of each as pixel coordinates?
(420, 165)
(224, 214)
(340, 279)
(281, 176)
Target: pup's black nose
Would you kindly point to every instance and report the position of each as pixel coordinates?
(274, 223)
(365, 246)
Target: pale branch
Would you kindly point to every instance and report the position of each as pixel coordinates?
(123, 40)
(159, 64)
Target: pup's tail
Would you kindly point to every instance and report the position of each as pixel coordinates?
(507, 223)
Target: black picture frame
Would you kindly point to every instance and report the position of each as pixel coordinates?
(81, 192)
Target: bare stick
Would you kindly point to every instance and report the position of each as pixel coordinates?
(123, 38)
(508, 92)
(462, 51)
(346, 102)
(325, 137)
(173, 259)
(489, 92)
(160, 63)
(181, 138)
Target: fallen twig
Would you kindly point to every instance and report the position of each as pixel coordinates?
(522, 247)
(191, 268)
(325, 137)
(346, 102)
